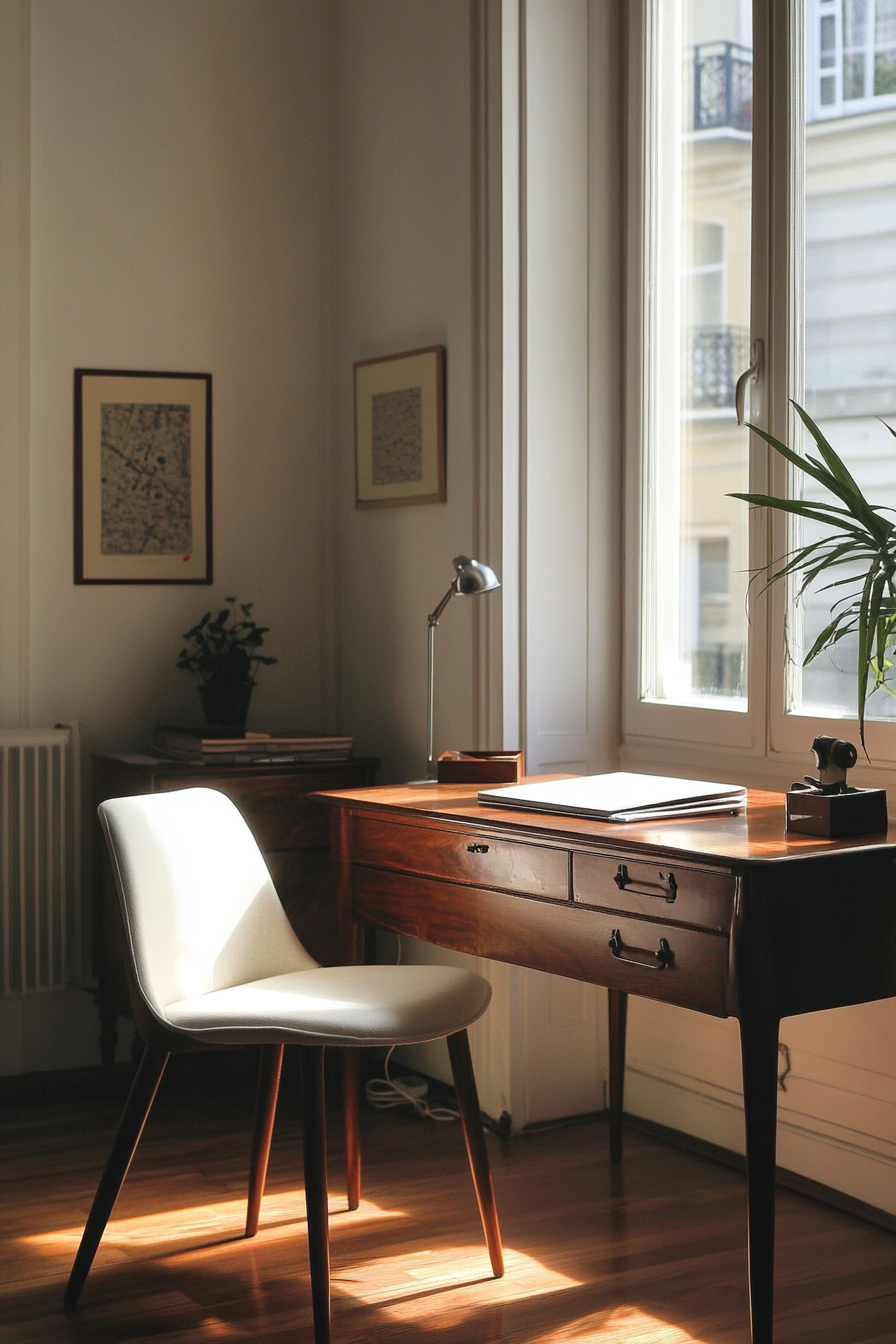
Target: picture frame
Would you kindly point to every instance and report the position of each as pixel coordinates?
(143, 477)
(400, 429)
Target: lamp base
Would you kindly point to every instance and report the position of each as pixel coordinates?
(422, 783)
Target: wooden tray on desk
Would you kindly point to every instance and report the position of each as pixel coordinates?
(481, 767)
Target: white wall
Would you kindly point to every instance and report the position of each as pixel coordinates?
(404, 280)
(178, 219)
(179, 159)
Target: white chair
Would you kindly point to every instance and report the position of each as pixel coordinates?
(213, 961)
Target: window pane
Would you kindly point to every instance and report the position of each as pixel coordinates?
(855, 22)
(850, 329)
(695, 572)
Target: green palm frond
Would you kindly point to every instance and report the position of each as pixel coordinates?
(859, 534)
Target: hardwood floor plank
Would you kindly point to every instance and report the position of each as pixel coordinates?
(649, 1252)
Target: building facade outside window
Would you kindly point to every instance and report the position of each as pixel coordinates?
(713, 226)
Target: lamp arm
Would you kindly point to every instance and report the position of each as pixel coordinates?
(433, 617)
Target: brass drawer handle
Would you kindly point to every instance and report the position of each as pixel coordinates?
(666, 889)
(477, 849)
(648, 961)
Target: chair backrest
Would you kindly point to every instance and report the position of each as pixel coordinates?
(200, 911)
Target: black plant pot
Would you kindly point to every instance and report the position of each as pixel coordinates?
(226, 704)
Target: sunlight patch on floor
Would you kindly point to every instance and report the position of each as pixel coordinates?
(215, 1328)
(620, 1325)
(227, 1219)
(403, 1285)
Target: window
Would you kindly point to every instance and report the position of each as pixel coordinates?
(848, 299)
(766, 216)
(697, 319)
(851, 50)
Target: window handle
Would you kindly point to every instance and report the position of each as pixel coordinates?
(752, 374)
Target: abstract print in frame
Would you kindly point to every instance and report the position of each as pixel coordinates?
(143, 477)
(400, 429)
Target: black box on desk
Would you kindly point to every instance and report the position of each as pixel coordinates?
(856, 812)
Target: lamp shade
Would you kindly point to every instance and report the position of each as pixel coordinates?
(473, 577)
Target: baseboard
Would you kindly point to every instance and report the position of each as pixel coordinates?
(823, 1155)
(788, 1180)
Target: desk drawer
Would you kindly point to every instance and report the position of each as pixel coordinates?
(663, 961)
(457, 856)
(562, 938)
(655, 890)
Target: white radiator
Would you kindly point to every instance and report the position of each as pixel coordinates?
(40, 867)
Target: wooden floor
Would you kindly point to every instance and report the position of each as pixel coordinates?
(649, 1253)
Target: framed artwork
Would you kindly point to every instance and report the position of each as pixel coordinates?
(400, 429)
(143, 477)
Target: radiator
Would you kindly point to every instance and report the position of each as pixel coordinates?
(40, 868)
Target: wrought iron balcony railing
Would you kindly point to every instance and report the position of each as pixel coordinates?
(714, 359)
(723, 86)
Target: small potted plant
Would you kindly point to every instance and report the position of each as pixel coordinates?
(857, 557)
(223, 655)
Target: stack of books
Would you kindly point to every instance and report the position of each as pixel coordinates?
(203, 742)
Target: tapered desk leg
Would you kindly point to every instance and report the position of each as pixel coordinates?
(759, 1052)
(618, 1005)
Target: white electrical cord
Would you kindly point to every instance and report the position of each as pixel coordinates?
(386, 1093)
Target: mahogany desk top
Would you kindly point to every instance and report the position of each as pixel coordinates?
(756, 834)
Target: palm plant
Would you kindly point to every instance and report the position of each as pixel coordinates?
(862, 604)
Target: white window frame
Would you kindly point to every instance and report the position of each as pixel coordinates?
(768, 743)
(654, 729)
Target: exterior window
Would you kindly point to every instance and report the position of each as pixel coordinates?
(785, 248)
(852, 56)
(693, 595)
(712, 640)
(849, 295)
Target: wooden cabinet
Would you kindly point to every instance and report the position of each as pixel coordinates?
(292, 830)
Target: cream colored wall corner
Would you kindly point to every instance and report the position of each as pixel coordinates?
(179, 161)
(405, 279)
(164, 205)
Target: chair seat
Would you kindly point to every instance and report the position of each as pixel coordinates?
(341, 1005)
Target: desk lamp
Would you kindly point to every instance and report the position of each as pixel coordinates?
(471, 577)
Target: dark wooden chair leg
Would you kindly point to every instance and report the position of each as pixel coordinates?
(314, 1147)
(759, 1053)
(471, 1119)
(269, 1067)
(618, 1006)
(124, 1145)
(351, 1087)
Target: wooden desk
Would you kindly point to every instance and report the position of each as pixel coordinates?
(727, 915)
(290, 828)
